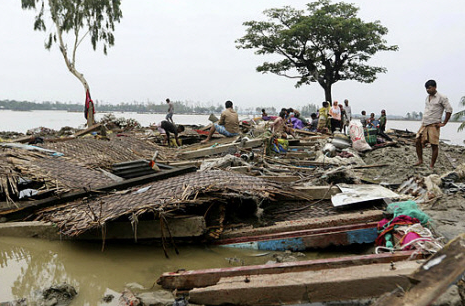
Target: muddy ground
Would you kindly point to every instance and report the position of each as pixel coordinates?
(448, 209)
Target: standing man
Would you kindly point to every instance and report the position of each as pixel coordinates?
(228, 125)
(348, 109)
(435, 105)
(348, 114)
(169, 116)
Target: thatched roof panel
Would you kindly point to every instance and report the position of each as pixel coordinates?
(169, 194)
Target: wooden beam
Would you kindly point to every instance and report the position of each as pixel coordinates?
(283, 178)
(220, 149)
(313, 223)
(186, 280)
(241, 169)
(187, 226)
(340, 284)
(319, 192)
(88, 130)
(432, 279)
(299, 154)
(306, 239)
(305, 132)
(23, 139)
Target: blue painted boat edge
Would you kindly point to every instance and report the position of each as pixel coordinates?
(358, 236)
(364, 235)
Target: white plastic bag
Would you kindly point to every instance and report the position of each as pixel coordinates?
(357, 136)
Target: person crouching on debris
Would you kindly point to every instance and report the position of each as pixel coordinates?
(167, 127)
(314, 124)
(228, 125)
(279, 127)
(295, 122)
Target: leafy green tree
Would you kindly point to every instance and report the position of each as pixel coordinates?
(460, 114)
(327, 44)
(75, 20)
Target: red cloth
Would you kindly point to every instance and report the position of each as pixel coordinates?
(399, 220)
(87, 104)
(407, 238)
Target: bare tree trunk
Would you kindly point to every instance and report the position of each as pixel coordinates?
(328, 96)
(77, 74)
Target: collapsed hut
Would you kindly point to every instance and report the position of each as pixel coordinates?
(81, 187)
(193, 193)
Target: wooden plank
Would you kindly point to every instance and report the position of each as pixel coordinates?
(88, 130)
(301, 147)
(432, 279)
(341, 284)
(186, 280)
(23, 139)
(23, 212)
(285, 179)
(297, 162)
(305, 132)
(189, 226)
(241, 169)
(299, 154)
(319, 192)
(313, 223)
(306, 239)
(184, 163)
(220, 149)
(307, 143)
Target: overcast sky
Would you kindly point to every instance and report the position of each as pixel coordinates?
(185, 50)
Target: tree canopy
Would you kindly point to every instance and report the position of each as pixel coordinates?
(78, 18)
(326, 44)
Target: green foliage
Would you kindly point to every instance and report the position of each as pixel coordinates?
(96, 17)
(327, 44)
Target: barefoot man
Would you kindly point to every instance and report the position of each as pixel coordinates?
(435, 105)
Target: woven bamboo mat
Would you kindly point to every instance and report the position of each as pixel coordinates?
(92, 152)
(171, 194)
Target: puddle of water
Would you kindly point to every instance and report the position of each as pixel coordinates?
(31, 265)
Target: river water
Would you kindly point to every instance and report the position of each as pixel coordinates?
(28, 265)
(22, 121)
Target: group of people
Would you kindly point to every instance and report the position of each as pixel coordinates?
(372, 122)
(228, 125)
(334, 117)
(288, 120)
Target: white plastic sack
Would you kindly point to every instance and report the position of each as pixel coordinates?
(357, 136)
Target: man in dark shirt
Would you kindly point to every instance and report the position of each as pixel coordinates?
(169, 127)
